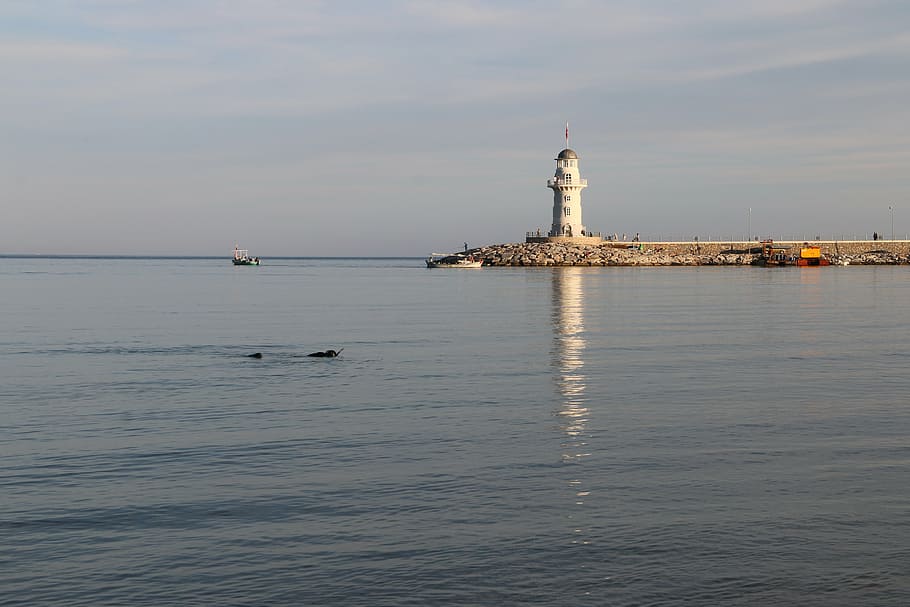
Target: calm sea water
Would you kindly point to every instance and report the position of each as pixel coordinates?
(543, 436)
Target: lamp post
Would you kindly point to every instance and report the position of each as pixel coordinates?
(891, 208)
(749, 234)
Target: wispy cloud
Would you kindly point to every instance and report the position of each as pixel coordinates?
(27, 52)
(775, 58)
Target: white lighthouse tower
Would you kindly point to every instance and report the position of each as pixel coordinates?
(567, 186)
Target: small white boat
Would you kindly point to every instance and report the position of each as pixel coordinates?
(449, 260)
(242, 258)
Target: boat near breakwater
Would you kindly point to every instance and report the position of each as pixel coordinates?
(778, 256)
(811, 256)
(453, 260)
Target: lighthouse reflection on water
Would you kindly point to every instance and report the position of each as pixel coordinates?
(569, 373)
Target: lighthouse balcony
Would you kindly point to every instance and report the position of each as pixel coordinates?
(555, 182)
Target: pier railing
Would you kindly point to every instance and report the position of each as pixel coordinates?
(735, 238)
(805, 237)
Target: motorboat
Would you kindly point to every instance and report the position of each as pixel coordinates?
(242, 258)
(810, 255)
(776, 256)
(453, 260)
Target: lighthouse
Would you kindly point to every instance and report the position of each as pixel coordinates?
(567, 186)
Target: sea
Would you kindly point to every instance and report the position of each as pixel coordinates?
(499, 436)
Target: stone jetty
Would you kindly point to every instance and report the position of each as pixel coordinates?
(611, 253)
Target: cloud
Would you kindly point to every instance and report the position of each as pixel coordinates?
(28, 52)
(771, 56)
(455, 14)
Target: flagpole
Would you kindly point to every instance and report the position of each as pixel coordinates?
(567, 135)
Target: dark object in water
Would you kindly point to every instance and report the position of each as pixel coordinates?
(326, 354)
(256, 355)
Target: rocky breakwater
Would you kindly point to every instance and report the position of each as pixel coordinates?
(869, 258)
(559, 254)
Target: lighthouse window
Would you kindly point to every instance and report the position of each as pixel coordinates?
(568, 177)
(568, 211)
(568, 198)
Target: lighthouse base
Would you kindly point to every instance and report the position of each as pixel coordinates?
(566, 239)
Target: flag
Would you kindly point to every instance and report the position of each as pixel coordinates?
(567, 133)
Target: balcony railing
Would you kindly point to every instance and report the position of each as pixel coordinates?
(541, 234)
(557, 182)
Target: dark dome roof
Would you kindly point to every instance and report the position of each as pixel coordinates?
(567, 153)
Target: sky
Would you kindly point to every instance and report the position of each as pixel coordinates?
(400, 128)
